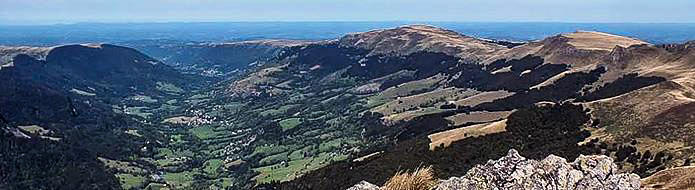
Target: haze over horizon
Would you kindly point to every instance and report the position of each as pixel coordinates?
(34, 12)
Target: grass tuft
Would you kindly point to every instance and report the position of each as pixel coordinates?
(421, 179)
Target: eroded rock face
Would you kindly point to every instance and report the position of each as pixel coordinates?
(516, 172)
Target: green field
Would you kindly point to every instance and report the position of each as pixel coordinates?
(130, 181)
(179, 180)
(266, 150)
(168, 87)
(294, 168)
(274, 159)
(203, 132)
(276, 112)
(211, 166)
(290, 123)
(138, 111)
(142, 98)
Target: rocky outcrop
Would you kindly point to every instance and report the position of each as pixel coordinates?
(516, 172)
(7, 54)
(363, 185)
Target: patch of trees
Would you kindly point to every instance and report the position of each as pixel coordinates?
(330, 56)
(620, 86)
(517, 65)
(423, 64)
(523, 73)
(564, 88)
(644, 163)
(423, 125)
(447, 106)
(508, 44)
(38, 163)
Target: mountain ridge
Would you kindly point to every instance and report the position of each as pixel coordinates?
(412, 38)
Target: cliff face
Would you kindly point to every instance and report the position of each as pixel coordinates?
(516, 172)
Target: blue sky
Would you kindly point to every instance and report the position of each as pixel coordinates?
(70, 11)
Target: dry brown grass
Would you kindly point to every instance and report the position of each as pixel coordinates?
(674, 178)
(445, 138)
(599, 41)
(483, 97)
(420, 179)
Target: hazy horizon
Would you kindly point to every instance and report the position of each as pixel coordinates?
(47, 35)
(407, 22)
(43, 12)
